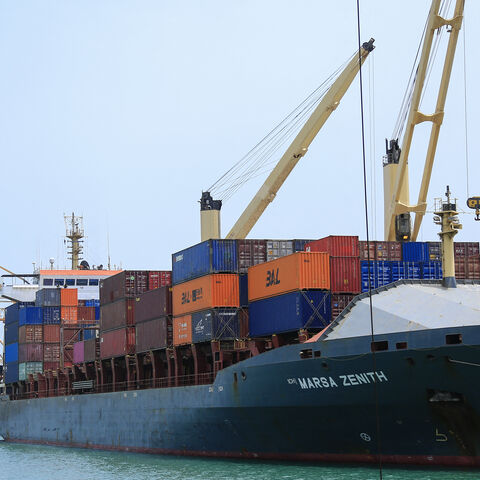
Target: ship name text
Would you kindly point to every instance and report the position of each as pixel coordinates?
(351, 380)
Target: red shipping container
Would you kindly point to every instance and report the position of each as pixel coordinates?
(78, 352)
(68, 297)
(91, 349)
(118, 342)
(30, 352)
(345, 275)
(118, 314)
(381, 251)
(154, 334)
(335, 245)
(159, 279)
(473, 249)
(51, 333)
(395, 251)
(30, 334)
(153, 304)
(339, 302)
(127, 284)
(473, 268)
(69, 315)
(71, 335)
(85, 314)
(363, 250)
(460, 268)
(50, 366)
(250, 253)
(51, 352)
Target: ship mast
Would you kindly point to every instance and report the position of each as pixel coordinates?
(74, 234)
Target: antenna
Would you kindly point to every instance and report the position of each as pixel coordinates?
(108, 247)
(74, 234)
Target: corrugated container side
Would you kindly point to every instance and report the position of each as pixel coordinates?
(380, 274)
(51, 315)
(11, 353)
(290, 312)
(85, 314)
(279, 248)
(210, 291)
(365, 249)
(51, 366)
(415, 252)
(154, 334)
(345, 275)
(382, 251)
(299, 244)
(432, 270)
(12, 312)
(91, 303)
(161, 278)
(395, 251)
(182, 330)
(78, 352)
(405, 270)
(30, 316)
(299, 271)
(51, 333)
(473, 268)
(11, 372)
(70, 335)
(336, 246)
(69, 315)
(339, 303)
(120, 313)
(243, 289)
(47, 297)
(460, 268)
(29, 368)
(30, 352)
(129, 283)
(211, 256)
(435, 251)
(68, 297)
(11, 333)
(51, 352)
(218, 324)
(30, 334)
(91, 349)
(118, 342)
(154, 304)
(473, 249)
(250, 252)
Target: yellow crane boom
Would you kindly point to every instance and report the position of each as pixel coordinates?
(395, 172)
(299, 146)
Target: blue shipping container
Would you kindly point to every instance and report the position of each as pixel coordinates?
(290, 312)
(97, 312)
(11, 333)
(380, 274)
(12, 312)
(11, 353)
(215, 324)
(432, 270)
(415, 252)
(51, 315)
(299, 245)
(90, 333)
(243, 288)
(406, 270)
(11, 372)
(92, 303)
(211, 256)
(30, 316)
(47, 297)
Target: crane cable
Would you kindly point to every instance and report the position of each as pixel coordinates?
(259, 159)
(365, 194)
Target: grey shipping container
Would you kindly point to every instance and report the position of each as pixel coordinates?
(153, 304)
(154, 334)
(120, 313)
(91, 349)
(279, 248)
(127, 284)
(251, 252)
(47, 297)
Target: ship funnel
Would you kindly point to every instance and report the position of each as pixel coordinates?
(209, 217)
(446, 216)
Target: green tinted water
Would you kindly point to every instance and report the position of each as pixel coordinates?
(31, 462)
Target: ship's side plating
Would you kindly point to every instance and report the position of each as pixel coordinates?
(312, 402)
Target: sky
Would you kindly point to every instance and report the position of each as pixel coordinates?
(124, 111)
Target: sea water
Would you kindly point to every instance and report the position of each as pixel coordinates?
(32, 462)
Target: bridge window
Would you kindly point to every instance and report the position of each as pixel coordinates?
(70, 282)
(93, 281)
(59, 282)
(48, 282)
(82, 282)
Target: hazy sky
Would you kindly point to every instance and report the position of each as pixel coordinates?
(123, 111)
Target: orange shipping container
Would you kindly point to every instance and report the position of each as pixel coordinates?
(69, 315)
(209, 291)
(299, 271)
(182, 330)
(68, 297)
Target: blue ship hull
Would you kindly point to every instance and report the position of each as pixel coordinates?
(316, 401)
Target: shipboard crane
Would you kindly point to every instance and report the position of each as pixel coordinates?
(210, 209)
(397, 210)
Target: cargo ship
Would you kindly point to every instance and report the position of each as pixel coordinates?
(332, 349)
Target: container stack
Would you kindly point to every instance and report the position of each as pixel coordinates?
(289, 294)
(206, 290)
(119, 296)
(345, 281)
(467, 260)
